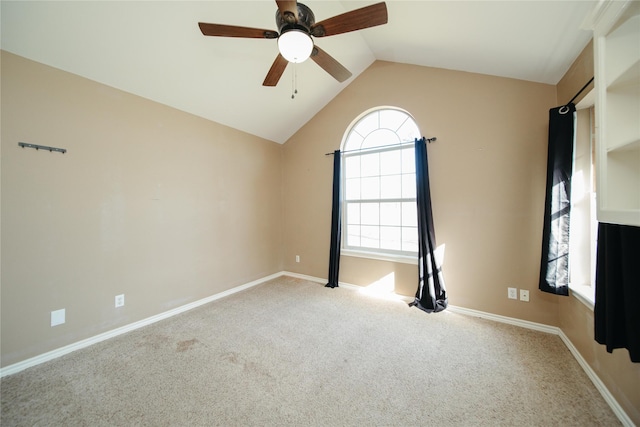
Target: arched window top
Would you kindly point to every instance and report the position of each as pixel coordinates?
(382, 126)
(379, 211)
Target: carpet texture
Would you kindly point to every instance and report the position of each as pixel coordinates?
(291, 352)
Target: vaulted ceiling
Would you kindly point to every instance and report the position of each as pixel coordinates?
(155, 49)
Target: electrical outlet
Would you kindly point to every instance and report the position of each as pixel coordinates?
(119, 300)
(57, 317)
(297, 258)
(524, 295)
(512, 293)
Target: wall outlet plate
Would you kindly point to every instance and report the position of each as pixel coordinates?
(524, 295)
(119, 300)
(512, 293)
(57, 317)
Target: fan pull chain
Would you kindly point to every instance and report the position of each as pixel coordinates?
(294, 81)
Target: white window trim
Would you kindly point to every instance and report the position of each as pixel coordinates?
(586, 294)
(404, 259)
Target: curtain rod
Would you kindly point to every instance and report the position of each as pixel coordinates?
(580, 91)
(390, 145)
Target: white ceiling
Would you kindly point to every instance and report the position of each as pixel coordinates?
(155, 49)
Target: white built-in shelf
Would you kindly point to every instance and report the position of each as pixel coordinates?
(616, 26)
(622, 49)
(628, 79)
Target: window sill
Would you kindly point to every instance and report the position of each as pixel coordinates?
(585, 294)
(405, 259)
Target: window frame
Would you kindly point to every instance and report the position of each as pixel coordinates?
(396, 255)
(584, 289)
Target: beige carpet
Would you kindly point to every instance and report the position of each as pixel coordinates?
(291, 352)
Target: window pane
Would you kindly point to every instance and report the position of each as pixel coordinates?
(390, 214)
(353, 235)
(409, 214)
(380, 138)
(370, 164)
(392, 119)
(410, 239)
(353, 142)
(409, 160)
(367, 124)
(370, 188)
(353, 189)
(352, 166)
(390, 162)
(409, 186)
(390, 187)
(370, 213)
(409, 131)
(353, 213)
(370, 237)
(390, 238)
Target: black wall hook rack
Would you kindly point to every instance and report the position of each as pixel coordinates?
(42, 147)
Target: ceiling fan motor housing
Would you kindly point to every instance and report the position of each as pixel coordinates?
(296, 30)
(305, 21)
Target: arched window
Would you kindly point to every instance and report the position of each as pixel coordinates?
(379, 183)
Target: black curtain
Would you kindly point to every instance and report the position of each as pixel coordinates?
(336, 224)
(554, 264)
(617, 308)
(431, 295)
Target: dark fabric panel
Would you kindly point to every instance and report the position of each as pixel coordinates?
(431, 295)
(617, 307)
(336, 224)
(554, 265)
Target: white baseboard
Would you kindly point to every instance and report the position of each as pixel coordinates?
(504, 319)
(608, 397)
(305, 277)
(50, 355)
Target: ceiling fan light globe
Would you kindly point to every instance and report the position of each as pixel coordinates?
(295, 45)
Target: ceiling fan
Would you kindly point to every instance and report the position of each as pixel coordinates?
(296, 26)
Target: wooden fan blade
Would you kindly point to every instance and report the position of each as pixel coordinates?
(275, 72)
(369, 16)
(288, 10)
(329, 64)
(234, 31)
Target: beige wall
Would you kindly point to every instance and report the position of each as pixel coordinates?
(487, 172)
(162, 206)
(578, 75)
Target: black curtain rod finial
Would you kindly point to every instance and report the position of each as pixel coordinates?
(425, 139)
